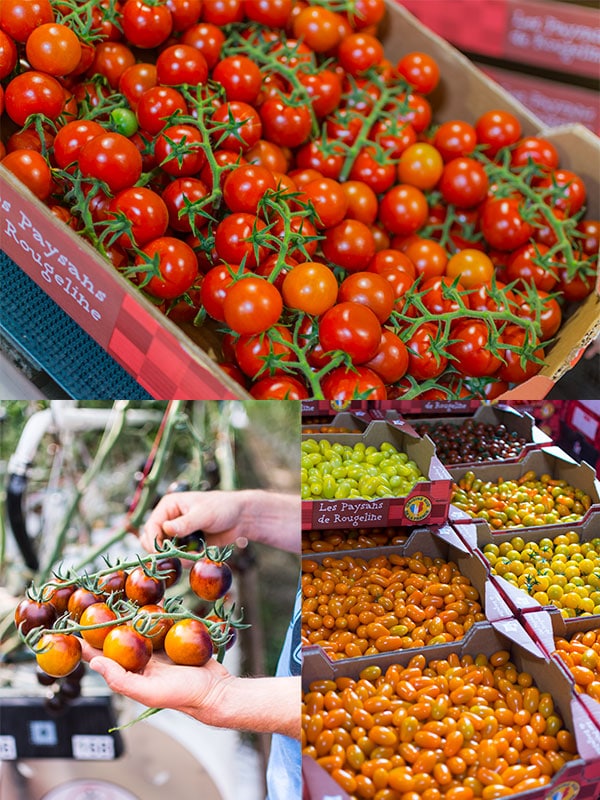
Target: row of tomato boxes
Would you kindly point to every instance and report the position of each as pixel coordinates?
(514, 622)
(429, 501)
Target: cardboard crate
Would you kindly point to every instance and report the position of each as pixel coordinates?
(361, 539)
(578, 778)
(475, 536)
(548, 460)
(442, 543)
(345, 422)
(545, 628)
(179, 362)
(427, 502)
(514, 422)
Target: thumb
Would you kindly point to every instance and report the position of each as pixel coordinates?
(113, 673)
(180, 526)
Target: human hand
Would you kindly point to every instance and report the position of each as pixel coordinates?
(197, 691)
(181, 513)
(209, 693)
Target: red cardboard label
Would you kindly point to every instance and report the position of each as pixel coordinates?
(58, 265)
(560, 36)
(52, 256)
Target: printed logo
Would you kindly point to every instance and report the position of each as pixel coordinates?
(566, 791)
(418, 508)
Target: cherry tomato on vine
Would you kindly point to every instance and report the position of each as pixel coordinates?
(172, 568)
(58, 595)
(113, 583)
(464, 182)
(31, 614)
(420, 165)
(518, 367)
(503, 224)
(529, 264)
(252, 305)
(262, 354)
(368, 289)
(349, 245)
(358, 52)
(472, 267)
(188, 642)
(210, 580)
(310, 287)
(285, 124)
(80, 600)
(424, 357)
(279, 387)
(352, 328)
(533, 149)
(33, 93)
(179, 64)
(549, 315)
(112, 158)
(58, 654)
(245, 187)
(53, 48)
(496, 129)
(19, 18)
(455, 139)
(31, 169)
(390, 361)
(146, 212)
(160, 627)
(176, 265)
(179, 150)
(471, 349)
(403, 210)
(146, 25)
(420, 70)
(329, 201)
(142, 588)
(127, 647)
(343, 384)
(97, 614)
(565, 190)
(428, 256)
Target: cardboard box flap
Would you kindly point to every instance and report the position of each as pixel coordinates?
(514, 631)
(587, 734)
(317, 783)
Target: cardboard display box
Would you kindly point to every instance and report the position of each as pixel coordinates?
(549, 460)
(443, 543)
(341, 540)
(168, 362)
(580, 776)
(427, 502)
(545, 627)
(475, 536)
(355, 421)
(514, 422)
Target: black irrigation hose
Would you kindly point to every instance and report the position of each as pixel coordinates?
(14, 507)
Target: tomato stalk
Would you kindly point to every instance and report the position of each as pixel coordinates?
(539, 205)
(79, 16)
(275, 205)
(387, 104)
(261, 52)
